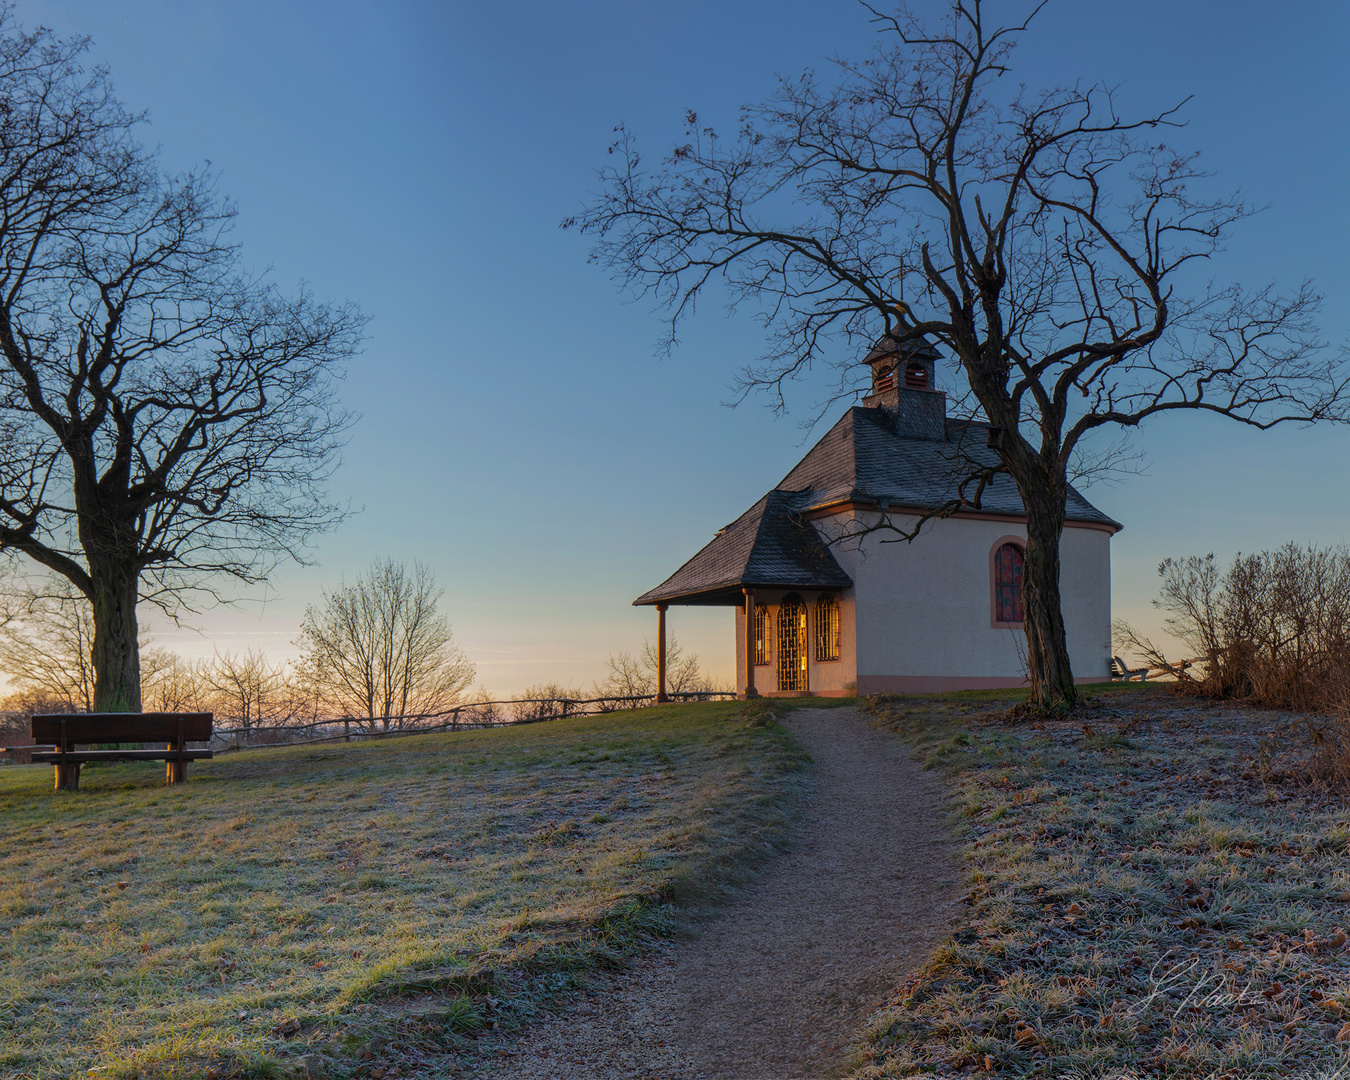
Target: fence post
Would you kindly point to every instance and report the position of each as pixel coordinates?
(454, 720)
(346, 729)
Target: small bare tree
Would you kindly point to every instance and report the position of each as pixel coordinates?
(1051, 245)
(245, 689)
(46, 646)
(635, 676)
(170, 683)
(376, 647)
(481, 710)
(628, 677)
(543, 701)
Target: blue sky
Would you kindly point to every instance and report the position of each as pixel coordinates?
(519, 433)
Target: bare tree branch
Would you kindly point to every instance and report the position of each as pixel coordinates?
(167, 420)
(1057, 250)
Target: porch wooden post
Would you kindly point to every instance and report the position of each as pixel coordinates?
(661, 654)
(750, 691)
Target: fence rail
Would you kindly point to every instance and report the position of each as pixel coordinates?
(475, 715)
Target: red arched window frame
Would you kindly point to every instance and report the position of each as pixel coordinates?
(1007, 560)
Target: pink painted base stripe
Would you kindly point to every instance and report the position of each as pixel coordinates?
(942, 684)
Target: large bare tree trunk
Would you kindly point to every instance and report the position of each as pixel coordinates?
(1047, 646)
(117, 662)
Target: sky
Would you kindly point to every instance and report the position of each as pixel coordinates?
(520, 433)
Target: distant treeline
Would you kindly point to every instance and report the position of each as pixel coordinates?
(375, 652)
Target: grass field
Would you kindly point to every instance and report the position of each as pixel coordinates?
(1150, 895)
(360, 910)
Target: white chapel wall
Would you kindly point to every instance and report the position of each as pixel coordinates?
(923, 610)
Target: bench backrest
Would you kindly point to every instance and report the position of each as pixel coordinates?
(122, 727)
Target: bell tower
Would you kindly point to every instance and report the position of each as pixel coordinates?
(904, 384)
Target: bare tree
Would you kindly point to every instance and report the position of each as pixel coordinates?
(45, 647)
(245, 689)
(683, 674)
(170, 683)
(17, 710)
(166, 417)
(377, 648)
(482, 711)
(543, 701)
(1051, 245)
(628, 677)
(635, 676)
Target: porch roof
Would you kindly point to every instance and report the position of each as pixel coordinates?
(768, 547)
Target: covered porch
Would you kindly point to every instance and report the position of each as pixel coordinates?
(792, 603)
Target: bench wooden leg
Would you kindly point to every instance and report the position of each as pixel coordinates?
(176, 773)
(67, 778)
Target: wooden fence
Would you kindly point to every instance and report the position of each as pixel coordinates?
(474, 715)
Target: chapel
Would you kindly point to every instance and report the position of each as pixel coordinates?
(825, 607)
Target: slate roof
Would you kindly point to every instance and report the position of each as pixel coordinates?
(769, 546)
(863, 458)
(891, 346)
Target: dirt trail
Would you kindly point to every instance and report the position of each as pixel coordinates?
(777, 984)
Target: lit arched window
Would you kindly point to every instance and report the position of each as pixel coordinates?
(761, 635)
(1008, 562)
(792, 643)
(827, 627)
(916, 377)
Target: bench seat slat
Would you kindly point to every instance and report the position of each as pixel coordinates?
(82, 756)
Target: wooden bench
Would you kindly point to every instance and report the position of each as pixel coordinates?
(1120, 671)
(81, 729)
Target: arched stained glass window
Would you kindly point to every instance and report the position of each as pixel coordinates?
(827, 627)
(762, 647)
(1008, 562)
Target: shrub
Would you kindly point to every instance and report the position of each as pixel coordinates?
(1273, 629)
(543, 702)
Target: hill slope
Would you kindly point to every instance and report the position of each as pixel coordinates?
(329, 901)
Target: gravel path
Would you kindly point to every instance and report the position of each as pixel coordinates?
(778, 983)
